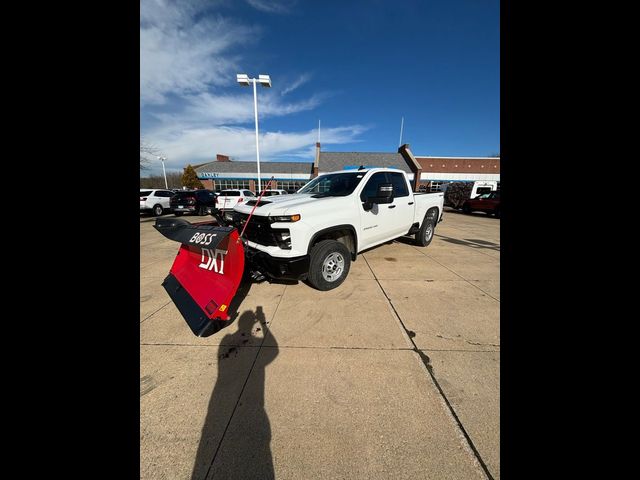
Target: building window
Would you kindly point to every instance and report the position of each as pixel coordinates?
(232, 184)
(291, 184)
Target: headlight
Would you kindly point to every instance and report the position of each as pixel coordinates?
(285, 218)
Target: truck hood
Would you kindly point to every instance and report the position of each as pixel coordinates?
(284, 204)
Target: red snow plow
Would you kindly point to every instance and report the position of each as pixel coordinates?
(205, 274)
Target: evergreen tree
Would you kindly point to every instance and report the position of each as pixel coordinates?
(190, 179)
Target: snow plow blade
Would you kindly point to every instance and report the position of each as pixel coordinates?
(205, 274)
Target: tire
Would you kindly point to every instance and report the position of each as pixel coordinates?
(202, 211)
(157, 210)
(466, 208)
(496, 212)
(329, 265)
(178, 214)
(425, 234)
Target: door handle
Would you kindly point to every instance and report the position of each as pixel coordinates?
(410, 203)
(392, 206)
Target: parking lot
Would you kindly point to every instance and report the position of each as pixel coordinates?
(394, 374)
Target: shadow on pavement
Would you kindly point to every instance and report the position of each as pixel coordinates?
(245, 451)
(470, 243)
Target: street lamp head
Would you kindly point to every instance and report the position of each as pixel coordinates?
(243, 79)
(264, 80)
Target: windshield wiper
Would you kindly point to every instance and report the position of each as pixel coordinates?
(329, 194)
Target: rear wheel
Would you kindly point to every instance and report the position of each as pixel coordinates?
(329, 264)
(157, 210)
(425, 234)
(496, 212)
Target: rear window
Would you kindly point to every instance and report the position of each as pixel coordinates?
(229, 193)
(183, 194)
(145, 193)
(482, 190)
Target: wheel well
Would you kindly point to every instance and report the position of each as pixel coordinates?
(342, 234)
(432, 213)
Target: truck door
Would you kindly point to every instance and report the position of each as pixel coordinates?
(402, 208)
(388, 220)
(373, 221)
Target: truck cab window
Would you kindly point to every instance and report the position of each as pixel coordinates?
(371, 188)
(399, 185)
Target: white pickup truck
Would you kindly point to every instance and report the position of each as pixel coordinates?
(315, 233)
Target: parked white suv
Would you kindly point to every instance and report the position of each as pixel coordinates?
(154, 201)
(272, 192)
(230, 198)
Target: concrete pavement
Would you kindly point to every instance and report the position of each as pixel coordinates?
(394, 374)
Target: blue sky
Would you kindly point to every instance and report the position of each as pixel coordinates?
(358, 66)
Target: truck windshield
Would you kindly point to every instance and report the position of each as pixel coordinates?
(333, 184)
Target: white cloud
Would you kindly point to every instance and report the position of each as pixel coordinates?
(200, 145)
(181, 53)
(298, 82)
(273, 6)
(189, 94)
(210, 109)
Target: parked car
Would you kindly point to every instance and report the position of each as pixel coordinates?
(488, 203)
(198, 202)
(272, 192)
(456, 193)
(154, 201)
(232, 197)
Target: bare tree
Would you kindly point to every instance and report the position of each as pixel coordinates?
(148, 152)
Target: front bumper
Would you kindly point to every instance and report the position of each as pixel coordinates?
(295, 268)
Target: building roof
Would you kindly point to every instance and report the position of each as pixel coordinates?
(332, 161)
(251, 167)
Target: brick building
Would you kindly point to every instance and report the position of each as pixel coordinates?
(432, 172)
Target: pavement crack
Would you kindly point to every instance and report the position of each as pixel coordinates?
(483, 344)
(456, 273)
(152, 314)
(427, 363)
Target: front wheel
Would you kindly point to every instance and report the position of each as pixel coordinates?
(466, 208)
(202, 210)
(329, 264)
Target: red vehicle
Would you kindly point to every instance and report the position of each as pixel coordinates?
(488, 203)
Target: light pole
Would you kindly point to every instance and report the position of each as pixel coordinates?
(265, 81)
(162, 159)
